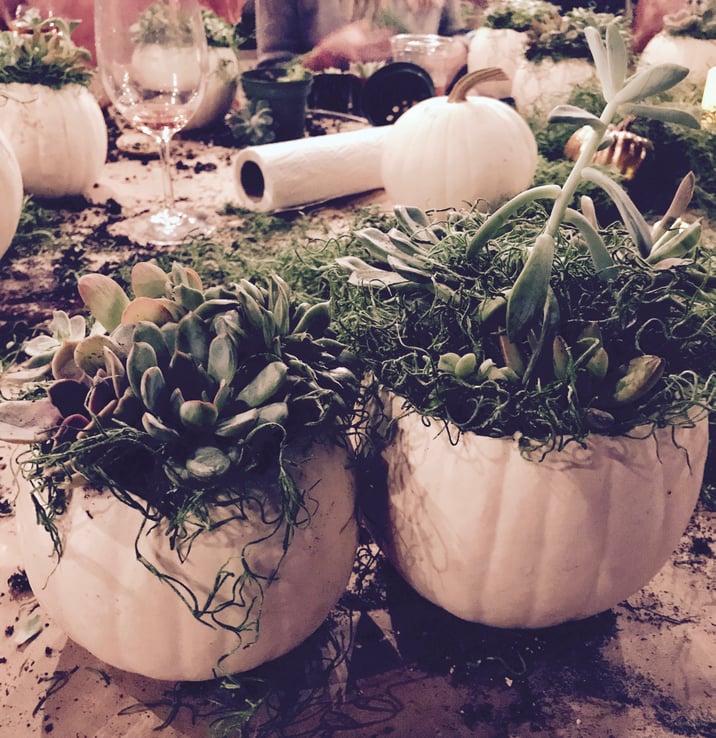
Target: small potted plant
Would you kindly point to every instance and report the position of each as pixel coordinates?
(186, 500)
(283, 91)
(52, 120)
(542, 384)
(688, 39)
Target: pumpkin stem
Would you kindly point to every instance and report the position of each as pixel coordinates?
(466, 83)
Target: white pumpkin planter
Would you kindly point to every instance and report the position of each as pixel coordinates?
(448, 151)
(698, 54)
(538, 86)
(59, 137)
(496, 47)
(220, 92)
(496, 539)
(11, 192)
(108, 602)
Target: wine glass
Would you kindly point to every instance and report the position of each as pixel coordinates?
(152, 60)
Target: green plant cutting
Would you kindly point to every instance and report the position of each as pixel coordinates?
(534, 320)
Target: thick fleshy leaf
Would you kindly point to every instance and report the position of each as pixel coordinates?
(63, 362)
(633, 220)
(601, 258)
(146, 308)
(265, 385)
(192, 338)
(147, 332)
(573, 114)
(154, 390)
(141, 357)
(208, 462)
(222, 359)
(529, 293)
(617, 58)
(491, 227)
(601, 64)
(637, 378)
(187, 297)
(667, 115)
(682, 197)
(149, 280)
(89, 353)
(104, 298)
(156, 429)
(651, 81)
(238, 425)
(197, 415)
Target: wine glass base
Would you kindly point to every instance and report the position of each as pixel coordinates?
(167, 227)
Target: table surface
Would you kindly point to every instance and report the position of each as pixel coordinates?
(645, 668)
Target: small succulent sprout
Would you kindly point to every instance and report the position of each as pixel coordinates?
(637, 378)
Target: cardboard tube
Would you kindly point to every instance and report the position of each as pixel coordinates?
(291, 174)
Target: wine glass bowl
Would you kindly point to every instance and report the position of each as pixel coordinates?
(152, 59)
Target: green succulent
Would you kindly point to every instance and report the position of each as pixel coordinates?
(40, 51)
(533, 319)
(211, 381)
(522, 15)
(252, 124)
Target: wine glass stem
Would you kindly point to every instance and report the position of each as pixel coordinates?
(167, 178)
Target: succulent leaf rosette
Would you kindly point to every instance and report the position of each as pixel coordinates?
(697, 20)
(174, 396)
(534, 321)
(40, 51)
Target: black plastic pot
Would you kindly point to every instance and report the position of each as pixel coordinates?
(287, 99)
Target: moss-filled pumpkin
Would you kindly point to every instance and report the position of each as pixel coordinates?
(11, 189)
(108, 601)
(52, 120)
(59, 137)
(457, 150)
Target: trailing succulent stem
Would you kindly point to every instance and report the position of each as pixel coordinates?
(537, 320)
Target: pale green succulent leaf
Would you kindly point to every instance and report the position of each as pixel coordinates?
(153, 390)
(148, 332)
(198, 415)
(634, 221)
(149, 280)
(650, 81)
(187, 297)
(221, 364)
(573, 114)
(192, 338)
(637, 378)
(158, 430)
(601, 63)
(617, 59)
(601, 258)
(238, 425)
(104, 298)
(674, 116)
(89, 354)
(141, 357)
(264, 385)
(208, 462)
(529, 293)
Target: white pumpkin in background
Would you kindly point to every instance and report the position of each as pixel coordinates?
(111, 604)
(220, 91)
(59, 136)
(494, 538)
(540, 85)
(11, 193)
(698, 54)
(448, 151)
(497, 47)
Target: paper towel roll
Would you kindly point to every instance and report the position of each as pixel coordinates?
(289, 174)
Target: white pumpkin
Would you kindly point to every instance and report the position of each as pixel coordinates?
(698, 54)
(59, 137)
(494, 538)
(10, 192)
(448, 151)
(108, 602)
(538, 86)
(496, 47)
